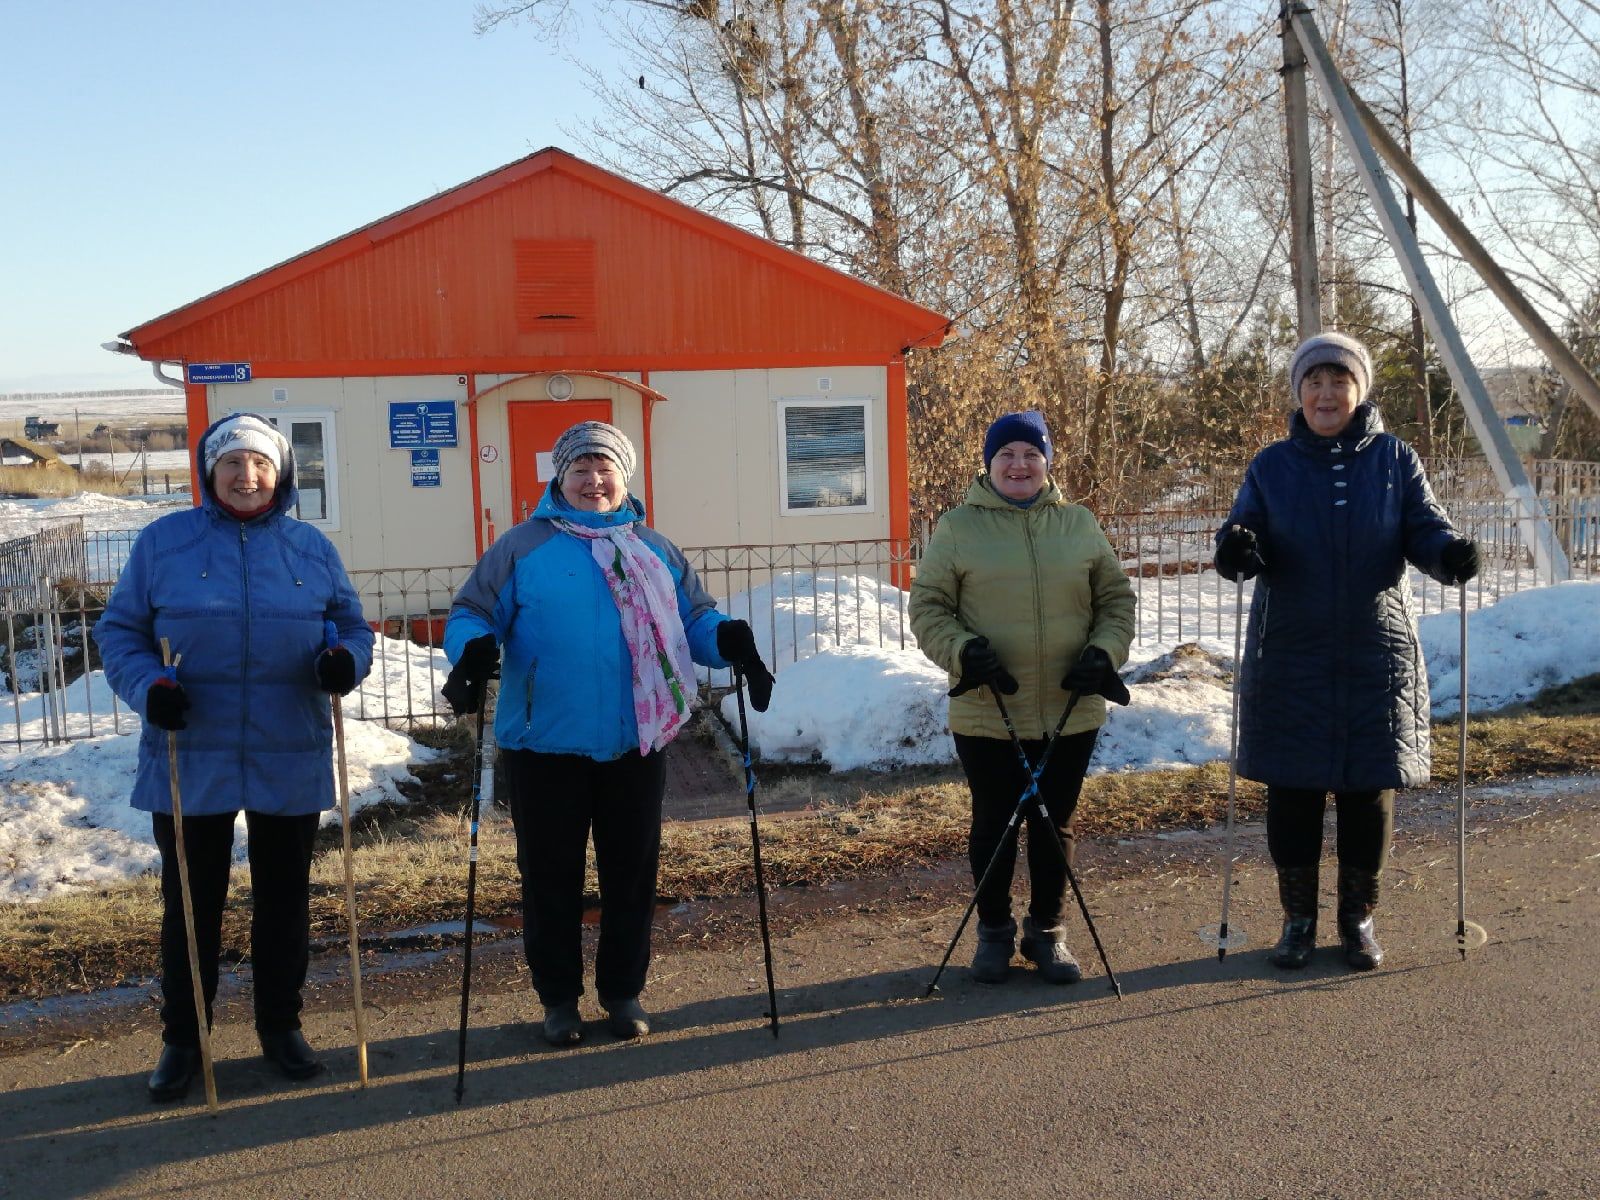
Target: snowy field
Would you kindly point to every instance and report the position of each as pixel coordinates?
(65, 822)
(88, 409)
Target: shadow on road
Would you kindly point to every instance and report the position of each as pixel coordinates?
(66, 1139)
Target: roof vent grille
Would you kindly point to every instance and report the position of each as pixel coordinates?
(554, 286)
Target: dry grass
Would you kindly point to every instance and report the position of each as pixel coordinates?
(410, 862)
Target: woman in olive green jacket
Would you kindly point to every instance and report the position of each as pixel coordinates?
(1020, 593)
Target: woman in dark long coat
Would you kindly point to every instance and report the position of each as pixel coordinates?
(1333, 690)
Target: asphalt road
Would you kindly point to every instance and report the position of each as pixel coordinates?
(1430, 1077)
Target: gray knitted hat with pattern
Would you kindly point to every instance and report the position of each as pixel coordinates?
(594, 437)
(246, 431)
(1335, 350)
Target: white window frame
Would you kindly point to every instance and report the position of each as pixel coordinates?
(330, 457)
(869, 445)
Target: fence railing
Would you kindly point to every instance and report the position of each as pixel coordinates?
(800, 599)
(56, 551)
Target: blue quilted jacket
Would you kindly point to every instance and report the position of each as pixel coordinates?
(1333, 691)
(566, 678)
(244, 604)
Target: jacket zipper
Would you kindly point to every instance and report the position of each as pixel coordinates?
(1038, 624)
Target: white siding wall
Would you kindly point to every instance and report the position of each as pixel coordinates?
(716, 454)
(383, 520)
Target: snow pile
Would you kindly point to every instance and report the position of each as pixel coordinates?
(65, 820)
(403, 682)
(854, 707)
(19, 518)
(811, 611)
(861, 707)
(1515, 648)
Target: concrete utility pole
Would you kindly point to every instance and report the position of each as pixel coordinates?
(1302, 203)
(1550, 560)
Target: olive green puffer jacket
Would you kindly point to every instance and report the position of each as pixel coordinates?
(1040, 583)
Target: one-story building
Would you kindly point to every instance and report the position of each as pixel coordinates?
(424, 365)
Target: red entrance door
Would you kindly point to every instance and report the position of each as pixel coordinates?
(535, 426)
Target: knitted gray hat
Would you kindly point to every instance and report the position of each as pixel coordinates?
(1331, 349)
(594, 437)
(245, 432)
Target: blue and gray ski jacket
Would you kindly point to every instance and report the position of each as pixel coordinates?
(566, 678)
(244, 603)
(1333, 691)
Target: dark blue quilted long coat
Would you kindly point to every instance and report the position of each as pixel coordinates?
(1333, 691)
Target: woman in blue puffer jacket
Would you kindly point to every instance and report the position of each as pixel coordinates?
(244, 594)
(1333, 692)
(601, 620)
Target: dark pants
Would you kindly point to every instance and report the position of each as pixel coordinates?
(997, 781)
(280, 851)
(556, 799)
(1294, 827)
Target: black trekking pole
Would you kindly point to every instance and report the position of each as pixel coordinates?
(1044, 813)
(755, 847)
(484, 791)
(1032, 789)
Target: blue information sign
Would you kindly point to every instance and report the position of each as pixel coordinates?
(424, 468)
(218, 373)
(417, 423)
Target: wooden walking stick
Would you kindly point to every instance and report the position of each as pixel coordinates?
(188, 904)
(332, 640)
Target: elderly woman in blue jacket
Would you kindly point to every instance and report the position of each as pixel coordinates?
(1333, 690)
(601, 620)
(244, 594)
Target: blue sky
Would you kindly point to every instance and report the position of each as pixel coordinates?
(154, 152)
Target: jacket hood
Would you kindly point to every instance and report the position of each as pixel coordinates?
(1366, 423)
(284, 498)
(553, 506)
(982, 494)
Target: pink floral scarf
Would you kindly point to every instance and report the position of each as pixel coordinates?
(647, 601)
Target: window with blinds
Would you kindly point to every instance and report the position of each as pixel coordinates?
(826, 457)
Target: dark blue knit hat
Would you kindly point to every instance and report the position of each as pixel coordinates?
(1017, 427)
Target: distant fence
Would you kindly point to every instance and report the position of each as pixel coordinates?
(56, 551)
(800, 599)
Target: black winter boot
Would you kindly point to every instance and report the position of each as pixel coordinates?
(1358, 896)
(1297, 892)
(288, 1050)
(996, 944)
(562, 1026)
(626, 1018)
(1047, 949)
(174, 1072)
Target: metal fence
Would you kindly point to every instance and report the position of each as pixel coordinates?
(56, 551)
(800, 599)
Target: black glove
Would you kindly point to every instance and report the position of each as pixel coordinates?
(468, 679)
(336, 671)
(1088, 673)
(164, 706)
(1459, 560)
(736, 642)
(1093, 675)
(1238, 557)
(981, 666)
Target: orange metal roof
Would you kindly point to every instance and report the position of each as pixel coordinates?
(433, 288)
